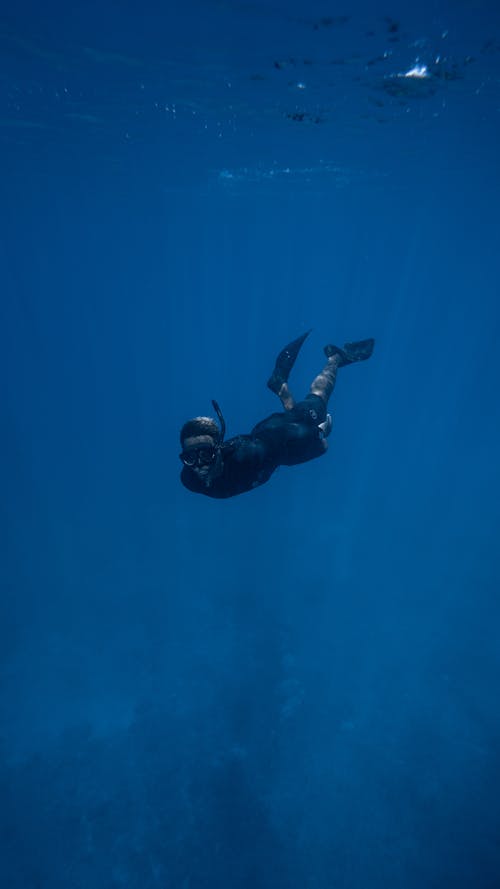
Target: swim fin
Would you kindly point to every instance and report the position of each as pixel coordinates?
(284, 363)
(351, 352)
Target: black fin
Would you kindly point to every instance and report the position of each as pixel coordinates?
(284, 363)
(352, 352)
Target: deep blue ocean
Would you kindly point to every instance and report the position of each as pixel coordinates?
(298, 687)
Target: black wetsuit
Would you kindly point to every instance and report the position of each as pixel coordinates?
(283, 439)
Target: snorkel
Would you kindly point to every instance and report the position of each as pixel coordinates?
(221, 421)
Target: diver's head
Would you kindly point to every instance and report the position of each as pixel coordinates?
(201, 452)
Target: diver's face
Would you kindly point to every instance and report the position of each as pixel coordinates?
(202, 457)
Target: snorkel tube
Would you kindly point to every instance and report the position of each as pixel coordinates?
(221, 421)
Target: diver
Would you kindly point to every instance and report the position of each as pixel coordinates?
(297, 434)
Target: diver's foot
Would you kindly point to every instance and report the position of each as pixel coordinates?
(351, 352)
(275, 382)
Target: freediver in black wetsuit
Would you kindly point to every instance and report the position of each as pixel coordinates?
(221, 468)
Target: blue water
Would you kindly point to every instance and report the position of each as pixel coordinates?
(296, 688)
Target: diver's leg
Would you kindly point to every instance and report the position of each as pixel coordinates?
(286, 397)
(324, 384)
